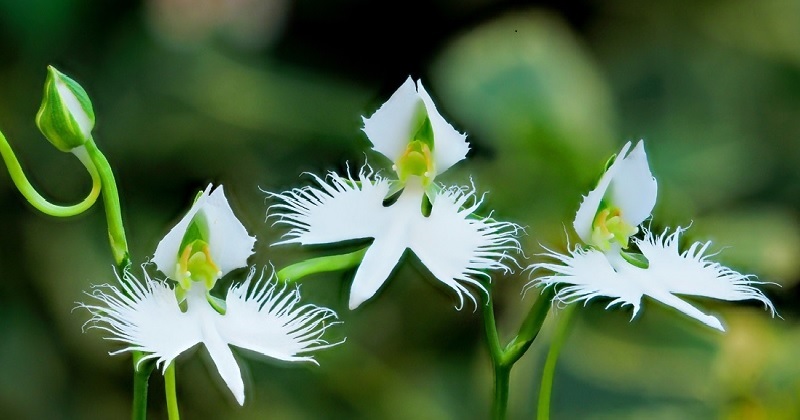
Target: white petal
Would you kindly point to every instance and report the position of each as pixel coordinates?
(229, 244)
(379, 261)
(146, 317)
(166, 255)
(458, 247)
(343, 210)
(449, 146)
(591, 202)
(266, 318)
(633, 189)
(390, 127)
(691, 273)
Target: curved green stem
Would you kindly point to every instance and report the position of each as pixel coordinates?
(559, 337)
(141, 374)
(37, 201)
(502, 371)
(116, 231)
(503, 359)
(119, 249)
(530, 326)
(169, 388)
(299, 270)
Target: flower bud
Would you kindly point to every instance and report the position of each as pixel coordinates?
(66, 117)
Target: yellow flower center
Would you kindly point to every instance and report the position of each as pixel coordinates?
(196, 265)
(608, 227)
(417, 160)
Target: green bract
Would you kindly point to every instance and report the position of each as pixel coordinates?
(65, 117)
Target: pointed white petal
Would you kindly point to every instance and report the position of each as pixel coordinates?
(267, 318)
(591, 202)
(229, 244)
(204, 318)
(449, 146)
(341, 210)
(588, 274)
(390, 127)
(681, 305)
(381, 257)
(146, 317)
(633, 188)
(166, 255)
(458, 247)
(692, 273)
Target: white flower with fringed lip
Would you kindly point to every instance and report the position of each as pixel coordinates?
(607, 219)
(450, 241)
(257, 314)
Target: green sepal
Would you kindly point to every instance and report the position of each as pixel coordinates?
(425, 133)
(637, 260)
(218, 304)
(66, 116)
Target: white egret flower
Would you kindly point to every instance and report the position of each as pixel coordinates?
(454, 244)
(164, 321)
(606, 220)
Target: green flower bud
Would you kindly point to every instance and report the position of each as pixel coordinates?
(66, 117)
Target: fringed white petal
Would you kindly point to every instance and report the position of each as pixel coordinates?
(268, 318)
(591, 202)
(692, 273)
(452, 243)
(588, 274)
(633, 188)
(229, 243)
(168, 249)
(449, 146)
(457, 247)
(146, 317)
(390, 127)
(341, 210)
(263, 318)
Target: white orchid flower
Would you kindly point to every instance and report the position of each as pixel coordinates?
(164, 321)
(451, 242)
(607, 218)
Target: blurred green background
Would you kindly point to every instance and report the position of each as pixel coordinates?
(251, 93)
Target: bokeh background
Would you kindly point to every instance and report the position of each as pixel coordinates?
(251, 93)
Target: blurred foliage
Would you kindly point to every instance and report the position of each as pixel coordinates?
(252, 94)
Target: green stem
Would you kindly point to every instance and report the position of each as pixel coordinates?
(504, 359)
(37, 201)
(119, 248)
(530, 326)
(322, 264)
(116, 230)
(502, 371)
(169, 388)
(141, 374)
(559, 337)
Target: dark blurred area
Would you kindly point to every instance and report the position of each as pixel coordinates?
(252, 93)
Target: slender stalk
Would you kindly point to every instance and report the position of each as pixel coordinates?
(503, 360)
(119, 249)
(299, 270)
(34, 198)
(531, 326)
(116, 230)
(141, 374)
(169, 388)
(559, 337)
(502, 371)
